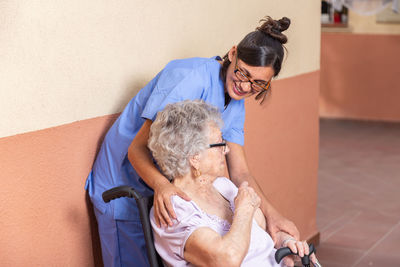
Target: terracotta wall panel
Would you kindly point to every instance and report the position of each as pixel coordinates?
(44, 216)
(281, 141)
(360, 76)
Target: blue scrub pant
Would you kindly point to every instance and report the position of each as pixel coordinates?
(122, 241)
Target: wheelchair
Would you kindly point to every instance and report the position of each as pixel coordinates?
(145, 203)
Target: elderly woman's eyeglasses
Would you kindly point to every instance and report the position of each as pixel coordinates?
(222, 144)
(256, 87)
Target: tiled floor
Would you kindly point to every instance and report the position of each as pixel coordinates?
(358, 211)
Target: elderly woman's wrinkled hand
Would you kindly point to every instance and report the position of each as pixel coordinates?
(247, 197)
(299, 247)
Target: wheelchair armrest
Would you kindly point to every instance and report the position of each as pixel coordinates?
(120, 191)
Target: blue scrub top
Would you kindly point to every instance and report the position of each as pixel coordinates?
(184, 79)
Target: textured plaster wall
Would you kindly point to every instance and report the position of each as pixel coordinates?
(368, 25)
(63, 61)
(360, 24)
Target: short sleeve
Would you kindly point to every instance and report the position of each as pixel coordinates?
(176, 84)
(170, 241)
(235, 135)
(234, 123)
(225, 186)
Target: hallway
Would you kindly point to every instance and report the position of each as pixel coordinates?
(358, 210)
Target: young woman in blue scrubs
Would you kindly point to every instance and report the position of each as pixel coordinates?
(124, 159)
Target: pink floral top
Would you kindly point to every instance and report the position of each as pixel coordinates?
(170, 241)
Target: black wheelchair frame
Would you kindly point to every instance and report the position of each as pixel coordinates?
(145, 203)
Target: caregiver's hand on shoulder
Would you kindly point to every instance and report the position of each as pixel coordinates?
(277, 223)
(163, 210)
(247, 198)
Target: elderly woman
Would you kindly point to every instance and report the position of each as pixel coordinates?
(222, 225)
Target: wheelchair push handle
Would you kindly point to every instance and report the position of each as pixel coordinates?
(283, 252)
(120, 191)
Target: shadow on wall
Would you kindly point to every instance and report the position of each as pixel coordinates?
(94, 234)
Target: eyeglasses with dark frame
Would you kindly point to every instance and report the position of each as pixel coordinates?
(222, 144)
(255, 86)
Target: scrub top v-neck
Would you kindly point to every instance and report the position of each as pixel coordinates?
(184, 79)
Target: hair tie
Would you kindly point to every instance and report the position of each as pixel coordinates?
(276, 31)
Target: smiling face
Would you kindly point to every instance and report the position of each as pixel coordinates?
(234, 85)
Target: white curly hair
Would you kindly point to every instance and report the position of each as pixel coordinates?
(179, 132)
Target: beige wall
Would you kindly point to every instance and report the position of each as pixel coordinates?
(78, 63)
(368, 25)
(64, 61)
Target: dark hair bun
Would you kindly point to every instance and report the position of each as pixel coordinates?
(274, 28)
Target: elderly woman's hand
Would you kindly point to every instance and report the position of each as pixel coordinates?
(299, 247)
(163, 210)
(247, 198)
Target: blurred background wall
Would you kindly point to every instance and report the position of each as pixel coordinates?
(359, 132)
(69, 67)
(360, 70)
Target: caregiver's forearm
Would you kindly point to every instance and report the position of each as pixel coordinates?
(239, 172)
(142, 162)
(140, 158)
(265, 206)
